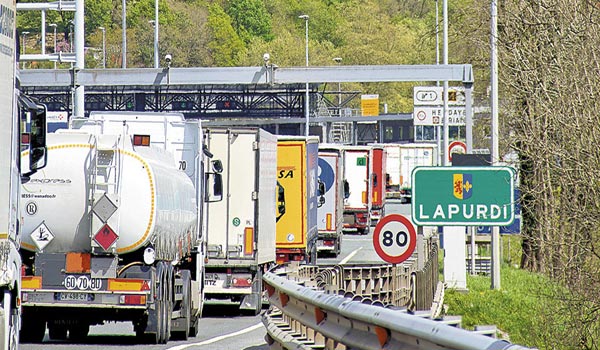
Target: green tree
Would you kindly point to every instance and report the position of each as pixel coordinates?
(250, 18)
(225, 45)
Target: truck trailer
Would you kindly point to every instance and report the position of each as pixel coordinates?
(297, 198)
(331, 210)
(22, 128)
(357, 206)
(240, 238)
(378, 182)
(113, 228)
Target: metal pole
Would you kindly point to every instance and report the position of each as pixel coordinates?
(445, 109)
(306, 101)
(43, 32)
(53, 25)
(78, 98)
(103, 46)
(124, 30)
(495, 154)
(24, 34)
(156, 34)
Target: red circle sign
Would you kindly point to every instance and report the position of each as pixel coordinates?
(456, 147)
(394, 238)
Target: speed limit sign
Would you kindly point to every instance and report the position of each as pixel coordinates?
(394, 238)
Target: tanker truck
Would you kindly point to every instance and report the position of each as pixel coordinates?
(114, 227)
(21, 120)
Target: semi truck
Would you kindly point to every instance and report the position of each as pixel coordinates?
(402, 159)
(113, 229)
(22, 128)
(240, 238)
(331, 211)
(378, 175)
(357, 206)
(297, 199)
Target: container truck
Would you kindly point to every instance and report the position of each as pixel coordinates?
(113, 227)
(297, 199)
(241, 228)
(412, 155)
(357, 206)
(392, 168)
(331, 211)
(22, 127)
(378, 182)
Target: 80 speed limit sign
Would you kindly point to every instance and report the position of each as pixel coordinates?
(394, 238)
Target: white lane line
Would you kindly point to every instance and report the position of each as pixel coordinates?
(219, 338)
(349, 256)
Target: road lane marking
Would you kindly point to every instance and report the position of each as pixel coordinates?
(219, 338)
(347, 258)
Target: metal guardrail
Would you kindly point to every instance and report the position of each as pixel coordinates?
(306, 318)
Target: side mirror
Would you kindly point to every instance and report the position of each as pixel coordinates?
(217, 166)
(346, 189)
(214, 187)
(280, 201)
(321, 194)
(38, 152)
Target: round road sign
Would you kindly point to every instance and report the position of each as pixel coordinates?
(394, 238)
(456, 147)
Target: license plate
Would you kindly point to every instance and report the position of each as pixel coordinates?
(73, 296)
(213, 283)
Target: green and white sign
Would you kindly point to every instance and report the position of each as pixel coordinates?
(463, 196)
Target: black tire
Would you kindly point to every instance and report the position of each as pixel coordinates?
(79, 332)
(57, 332)
(186, 306)
(33, 327)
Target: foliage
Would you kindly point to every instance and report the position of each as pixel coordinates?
(225, 45)
(250, 19)
(526, 308)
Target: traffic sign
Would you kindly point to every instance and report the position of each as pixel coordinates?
(432, 115)
(434, 96)
(394, 238)
(456, 147)
(463, 196)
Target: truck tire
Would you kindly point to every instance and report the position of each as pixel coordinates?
(79, 331)
(57, 331)
(185, 306)
(33, 327)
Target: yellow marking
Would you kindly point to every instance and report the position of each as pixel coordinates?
(3, 235)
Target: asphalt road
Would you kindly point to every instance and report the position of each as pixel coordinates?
(221, 327)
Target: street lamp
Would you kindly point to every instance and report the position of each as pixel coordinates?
(24, 34)
(103, 46)
(306, 104)
(54, 25)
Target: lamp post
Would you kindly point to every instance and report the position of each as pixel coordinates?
(24, 34)
(156, 59)
(124, 30)
(103, 46)
(54, 25)
(306, 102)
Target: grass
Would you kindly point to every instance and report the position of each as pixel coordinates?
(520, 308)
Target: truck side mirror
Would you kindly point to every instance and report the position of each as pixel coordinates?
(280, 201)
(346, 189)
(374, 180)
(321, 194)
(217, 166)
(214, 187)
(38, 152)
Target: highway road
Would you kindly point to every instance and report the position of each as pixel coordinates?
(222, 327)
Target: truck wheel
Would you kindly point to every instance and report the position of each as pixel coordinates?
(186, 306)
(33, 327)
(79, 332)
(57, 332)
